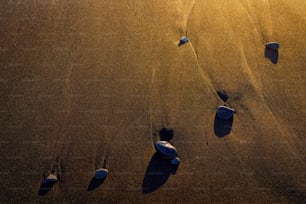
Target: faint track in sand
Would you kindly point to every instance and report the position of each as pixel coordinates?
(195, 54)
(151, 121)
(188, 16)
(60, 145)
(203, 74)
(258, 22)
(112, 138)
(152, 127)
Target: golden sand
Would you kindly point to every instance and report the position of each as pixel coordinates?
(84, 81)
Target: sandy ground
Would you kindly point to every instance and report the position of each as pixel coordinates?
(83, 81)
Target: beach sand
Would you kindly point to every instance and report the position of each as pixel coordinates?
(83, 81)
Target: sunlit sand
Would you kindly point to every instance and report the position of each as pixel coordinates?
(83, 82)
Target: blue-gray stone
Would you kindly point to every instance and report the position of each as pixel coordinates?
(225, 113)
(101, 173)
(165, 149)
(272, 45)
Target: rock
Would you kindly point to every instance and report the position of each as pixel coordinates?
(175, 161)
(50, 179)
(165, 149)
(225, 113)
(101, 173)
(183, 40)
(272, 45)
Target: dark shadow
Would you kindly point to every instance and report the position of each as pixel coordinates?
(181, 43)
(166, 134)
(278, 185)
(95, 183)
(157, 173)
(271, 54)
(290, 192)
(223, 127)
(45, 187)
(222, 94)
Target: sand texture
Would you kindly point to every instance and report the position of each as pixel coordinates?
(82, 81)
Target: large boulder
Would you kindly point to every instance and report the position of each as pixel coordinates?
(165, 149)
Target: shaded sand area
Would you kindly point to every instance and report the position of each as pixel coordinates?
(84, 81)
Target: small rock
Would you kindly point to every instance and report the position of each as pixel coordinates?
(183, 40)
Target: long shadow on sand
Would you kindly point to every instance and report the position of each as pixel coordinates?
(45, 187)
(95, 183)
(223, 127)
(271, 54)
(157, 173)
